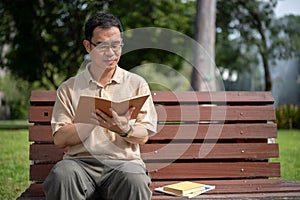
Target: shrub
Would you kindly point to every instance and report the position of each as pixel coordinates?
(17, 92)
(288, 116)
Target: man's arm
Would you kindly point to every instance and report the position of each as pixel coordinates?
(71, 134)
(138, 136)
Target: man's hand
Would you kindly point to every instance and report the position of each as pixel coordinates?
(118, 123)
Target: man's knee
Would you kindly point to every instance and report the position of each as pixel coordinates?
(137, 180)
(63, 172)
(64, 169)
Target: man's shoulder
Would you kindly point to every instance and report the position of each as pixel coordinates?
(71, 82)
(133, 76)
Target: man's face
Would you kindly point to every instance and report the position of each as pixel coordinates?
(105, 47)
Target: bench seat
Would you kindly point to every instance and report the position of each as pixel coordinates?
(216, 138)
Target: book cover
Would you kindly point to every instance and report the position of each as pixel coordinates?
(183, 188)
(186, 188)
(88, 104)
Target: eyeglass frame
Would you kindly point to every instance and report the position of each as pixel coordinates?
(107, 47)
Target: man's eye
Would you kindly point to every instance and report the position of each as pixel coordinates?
(103, 46)
(115, 46)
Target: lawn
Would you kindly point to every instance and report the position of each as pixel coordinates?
(14, 160)
(289, 150)
(14, 163)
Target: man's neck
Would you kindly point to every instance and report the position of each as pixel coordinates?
(102, 76)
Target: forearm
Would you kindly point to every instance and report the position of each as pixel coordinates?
(138, 136)
(71, 134)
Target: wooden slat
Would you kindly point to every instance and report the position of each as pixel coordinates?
(185, 113)
(39, 172)
(45, 152)
(253, 189)
(213, 170)
(40, 133)
(242, 186)
(208, 151)
(50, 153)
(214, 131)
(215, 113)
(162, 171)
(234, 97)
(42, 96)
(40, 113)
(43, 133)
(245, 97)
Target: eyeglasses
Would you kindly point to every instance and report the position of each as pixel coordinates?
(103, 47)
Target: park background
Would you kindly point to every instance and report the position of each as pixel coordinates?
(41, 46)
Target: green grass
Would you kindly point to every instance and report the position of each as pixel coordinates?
(14, 163)
(14, 160)
(289, 150)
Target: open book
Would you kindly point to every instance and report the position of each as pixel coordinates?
(185, 188)
(88, 104)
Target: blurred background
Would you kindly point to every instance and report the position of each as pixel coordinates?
(254, 45)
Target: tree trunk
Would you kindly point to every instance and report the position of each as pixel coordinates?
(203, 75)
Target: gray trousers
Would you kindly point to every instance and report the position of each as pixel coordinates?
(75, 179)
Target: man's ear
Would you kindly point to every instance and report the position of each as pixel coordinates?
(87, 45)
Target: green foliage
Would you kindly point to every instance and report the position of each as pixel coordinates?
(17, 92)
(174, 15)
(248, 33)
(288, 116)
(45, 37)
(42, 41)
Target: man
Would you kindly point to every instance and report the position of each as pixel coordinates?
(103, 160)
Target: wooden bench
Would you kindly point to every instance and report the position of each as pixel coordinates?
(217, 138)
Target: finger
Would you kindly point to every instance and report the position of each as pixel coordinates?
(114, 114)
(130, 111)
(98, 120)
(102, 115)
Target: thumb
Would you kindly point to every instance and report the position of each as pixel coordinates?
(130, 111)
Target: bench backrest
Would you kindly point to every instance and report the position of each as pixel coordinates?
(201, 136)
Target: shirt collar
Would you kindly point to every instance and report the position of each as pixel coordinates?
(117, 77)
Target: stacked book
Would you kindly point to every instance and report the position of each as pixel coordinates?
(186, 188)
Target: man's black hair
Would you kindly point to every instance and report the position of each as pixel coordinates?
(102, 20)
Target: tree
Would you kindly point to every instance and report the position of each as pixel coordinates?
(45, 37)
(249, 33)
(203, 75)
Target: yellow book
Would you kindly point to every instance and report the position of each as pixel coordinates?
(184, 188)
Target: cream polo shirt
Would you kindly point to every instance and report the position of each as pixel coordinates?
(100, 143)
